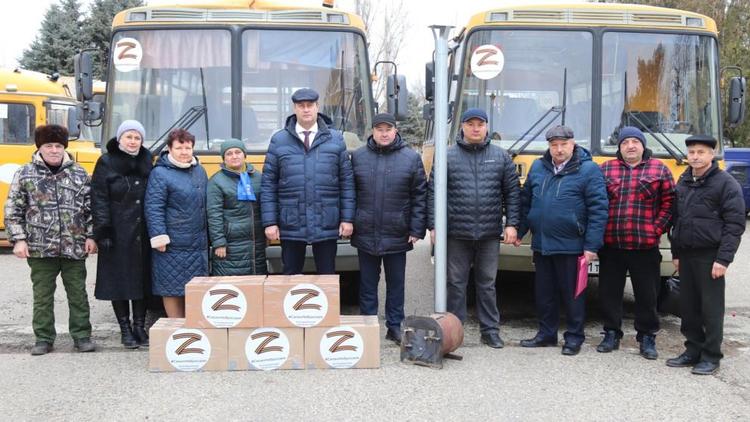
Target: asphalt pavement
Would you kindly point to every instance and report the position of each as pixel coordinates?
(508, 384)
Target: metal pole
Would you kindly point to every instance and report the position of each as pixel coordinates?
(440, 33)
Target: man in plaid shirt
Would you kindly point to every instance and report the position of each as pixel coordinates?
(641, 192)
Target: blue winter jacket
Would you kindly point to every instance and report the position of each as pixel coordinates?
(175, 205)
(566, 212)
(307, 193)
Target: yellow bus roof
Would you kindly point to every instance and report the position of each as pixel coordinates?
(19, 81)
(594, 15)
(209, 12)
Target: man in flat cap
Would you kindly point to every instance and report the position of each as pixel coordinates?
(641, 192)
(482, 183)
(709, 220)
(564, 204)
(307, 187)
(49, 223)
(391, 216)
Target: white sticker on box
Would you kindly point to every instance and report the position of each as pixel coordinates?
(341, 347)
(487, 61)
(127, 55)
(188, 349)
(267, 348)
(224, 306)
(305, 305)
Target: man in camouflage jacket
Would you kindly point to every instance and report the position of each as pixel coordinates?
(48, 221)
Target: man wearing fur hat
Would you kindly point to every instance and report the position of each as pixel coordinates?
(641, 192)
(48, 221)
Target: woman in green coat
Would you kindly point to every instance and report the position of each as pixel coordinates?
(234, 226)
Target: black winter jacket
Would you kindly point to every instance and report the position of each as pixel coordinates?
(118, 187)
(709, 214)
(391, 190)
(482, 184)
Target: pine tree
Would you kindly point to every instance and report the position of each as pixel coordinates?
(59, 39)
(98, 29)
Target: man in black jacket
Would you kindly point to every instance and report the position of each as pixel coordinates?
(482, 182)
(391, 197)
(708, 224)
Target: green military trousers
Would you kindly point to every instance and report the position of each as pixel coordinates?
(44, 273)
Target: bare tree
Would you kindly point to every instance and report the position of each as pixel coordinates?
(386, 25)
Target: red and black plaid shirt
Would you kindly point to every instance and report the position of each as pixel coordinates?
(640, 203)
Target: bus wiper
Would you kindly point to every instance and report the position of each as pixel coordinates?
(185, 121)
(662, 142)
(556, 110)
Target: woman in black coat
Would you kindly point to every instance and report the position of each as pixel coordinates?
(118, 187)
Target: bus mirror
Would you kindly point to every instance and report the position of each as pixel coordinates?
(427, 111)
(737, 86)
(83, 67)
(91, 111)
(74, 129)
(398, 96)
(429, 81)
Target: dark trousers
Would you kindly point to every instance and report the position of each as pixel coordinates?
(293, 256)
(702, 305)
(395, 276)
(643, 266)
(483, 256)
(555, 282)
(44, 272)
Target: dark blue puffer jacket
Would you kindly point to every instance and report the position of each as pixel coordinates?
(567, 211)
(391, 197)
(307, 194)
(175, 205)
(482, 186)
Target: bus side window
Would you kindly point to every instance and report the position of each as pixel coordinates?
(17, 123)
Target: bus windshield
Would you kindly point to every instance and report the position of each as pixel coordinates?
(187, 76)
(664, 84)
(541, 71)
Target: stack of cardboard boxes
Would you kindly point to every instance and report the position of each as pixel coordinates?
(263, 323)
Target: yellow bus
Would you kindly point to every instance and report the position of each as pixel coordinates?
(27, 100)
(594, 67)
(228, 68)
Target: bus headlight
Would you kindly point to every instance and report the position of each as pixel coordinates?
(498, 17)
(137, 17)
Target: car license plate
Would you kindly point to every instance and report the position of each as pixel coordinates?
(594, 267)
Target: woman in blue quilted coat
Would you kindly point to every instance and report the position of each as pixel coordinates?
(175, 211)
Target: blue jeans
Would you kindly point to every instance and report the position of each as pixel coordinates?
(395, 276)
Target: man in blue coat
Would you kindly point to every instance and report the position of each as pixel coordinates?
(564, 204)
(390, 218)
(307, 188)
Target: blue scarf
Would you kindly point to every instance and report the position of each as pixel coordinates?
(245, 188)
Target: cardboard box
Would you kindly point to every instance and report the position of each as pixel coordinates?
(353, 344)
(301, 301)
(224, 302)
(176, 348)
(267, 348)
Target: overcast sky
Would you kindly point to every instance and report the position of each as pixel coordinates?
(20, 24)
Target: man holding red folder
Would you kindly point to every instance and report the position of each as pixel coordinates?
(641, 192)
(564, 204)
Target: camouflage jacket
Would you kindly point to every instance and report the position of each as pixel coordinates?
(51, 212)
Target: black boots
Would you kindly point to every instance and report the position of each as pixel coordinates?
(610, 342)
(648, 347)
(139, 330)
(128, 340)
